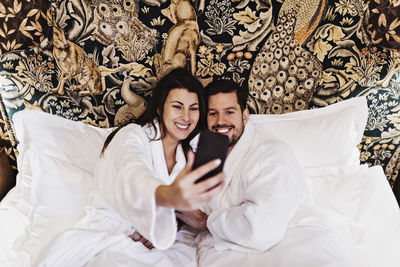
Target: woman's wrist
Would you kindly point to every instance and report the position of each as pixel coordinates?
(162, 196)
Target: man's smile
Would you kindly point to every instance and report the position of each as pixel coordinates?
(223, 129)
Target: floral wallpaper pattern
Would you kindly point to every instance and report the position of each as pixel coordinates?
(383, 24)
(292, 54)
(23, 25)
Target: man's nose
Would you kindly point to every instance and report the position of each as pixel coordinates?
(221, 119)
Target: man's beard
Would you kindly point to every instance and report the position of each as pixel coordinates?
(235, 136)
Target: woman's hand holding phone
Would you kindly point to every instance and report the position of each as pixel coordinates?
(184, 193)
(211, 146)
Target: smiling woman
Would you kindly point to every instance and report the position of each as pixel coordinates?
(181, 114)
(166, 100)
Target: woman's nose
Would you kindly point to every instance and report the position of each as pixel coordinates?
(185, 115)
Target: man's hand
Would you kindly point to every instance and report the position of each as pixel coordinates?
(139, 238)
(184, 193)
(196, 219)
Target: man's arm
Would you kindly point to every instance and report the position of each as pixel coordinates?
(271, 198)
(195, 219)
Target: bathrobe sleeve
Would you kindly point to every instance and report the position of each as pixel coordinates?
(267, 196)
(131, 184)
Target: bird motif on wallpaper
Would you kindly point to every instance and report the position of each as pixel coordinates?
(118, 23)
(285, 75)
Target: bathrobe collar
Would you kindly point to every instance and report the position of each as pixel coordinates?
(239, 151)
(157, 152)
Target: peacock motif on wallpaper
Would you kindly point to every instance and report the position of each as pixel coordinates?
(285, 75)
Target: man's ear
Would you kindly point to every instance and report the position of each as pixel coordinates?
(245, 115)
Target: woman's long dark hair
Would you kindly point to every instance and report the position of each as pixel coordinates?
(177, 78)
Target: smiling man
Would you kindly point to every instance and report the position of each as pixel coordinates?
(227, 111)
(263, 216)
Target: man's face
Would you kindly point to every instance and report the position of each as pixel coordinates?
(225, 116)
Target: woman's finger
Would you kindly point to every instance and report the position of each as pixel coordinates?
(208, 195)
(189, 160)
(210, 183)
(199, 172)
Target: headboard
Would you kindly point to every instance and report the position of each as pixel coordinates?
(293, 55)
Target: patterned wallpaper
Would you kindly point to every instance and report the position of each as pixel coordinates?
(292, 54)
(23, 25)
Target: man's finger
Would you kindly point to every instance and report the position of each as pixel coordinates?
(135, 236)
(148, 245)
(179, 216)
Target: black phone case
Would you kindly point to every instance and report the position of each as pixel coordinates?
(211, 146)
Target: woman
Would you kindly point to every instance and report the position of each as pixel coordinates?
(142, 179)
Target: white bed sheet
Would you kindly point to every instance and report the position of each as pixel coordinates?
(13, 222)
(378, 216)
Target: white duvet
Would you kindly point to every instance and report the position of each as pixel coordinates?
(375, 213)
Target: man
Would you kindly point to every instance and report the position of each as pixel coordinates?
(262, 216)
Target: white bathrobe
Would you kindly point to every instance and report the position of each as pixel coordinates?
(132, 167)
(263, 216)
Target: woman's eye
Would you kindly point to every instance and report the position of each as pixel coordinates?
(177, 107)
(194, 109)
(211, 114)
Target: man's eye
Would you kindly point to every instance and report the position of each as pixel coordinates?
(211, 114)
(229, 112)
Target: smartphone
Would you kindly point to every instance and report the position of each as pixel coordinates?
(211, 146)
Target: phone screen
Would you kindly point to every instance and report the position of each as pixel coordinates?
(211, 146)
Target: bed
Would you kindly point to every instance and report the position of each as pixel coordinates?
(56, 160)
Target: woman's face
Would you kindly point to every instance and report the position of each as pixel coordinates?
(181, 114)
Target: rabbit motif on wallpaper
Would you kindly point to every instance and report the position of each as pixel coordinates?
(73, 62)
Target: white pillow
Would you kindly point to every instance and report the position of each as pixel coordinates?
(73, 141)
(57, 157)
(339, 189)
(321, 137)
(60, 191)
